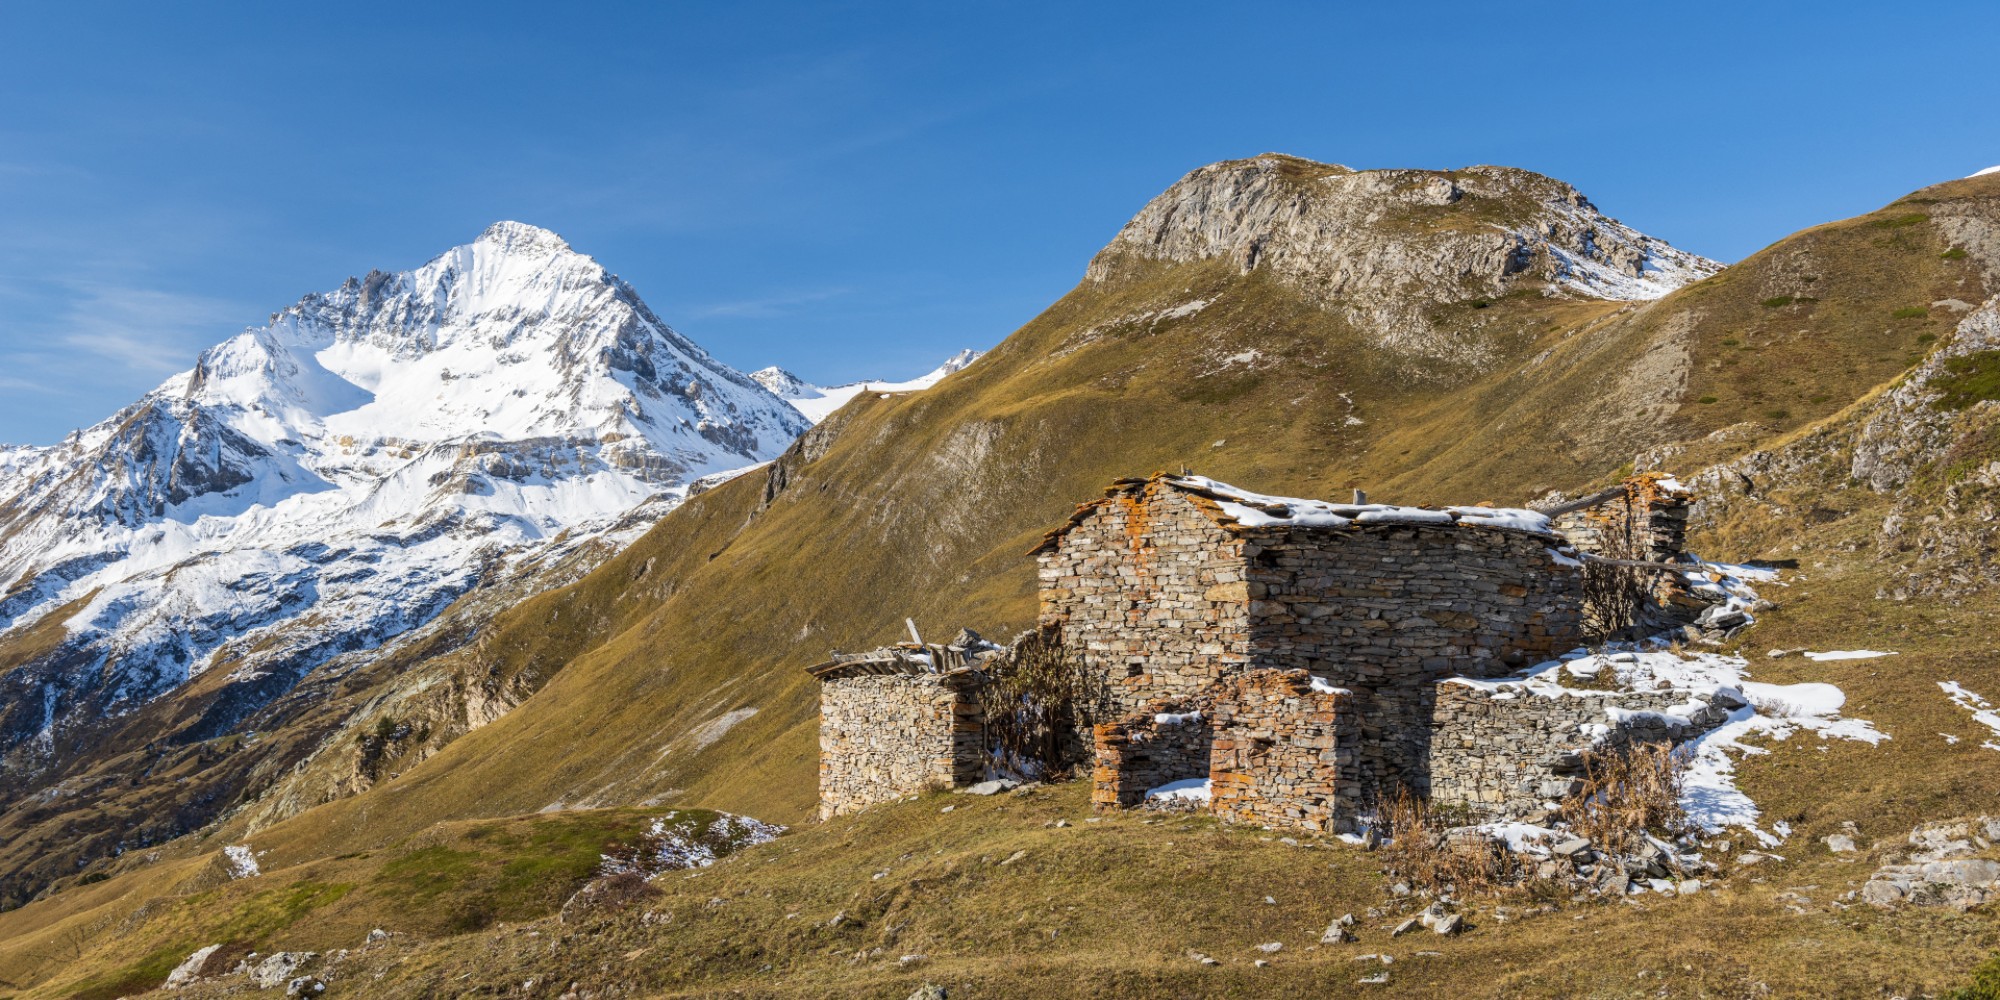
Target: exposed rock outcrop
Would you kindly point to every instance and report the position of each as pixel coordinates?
(1382, 246)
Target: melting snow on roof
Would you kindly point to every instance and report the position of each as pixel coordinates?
(1257, 510)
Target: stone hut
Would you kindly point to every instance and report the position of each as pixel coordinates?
(1170, 583)
(1282, 661)
(900, 720)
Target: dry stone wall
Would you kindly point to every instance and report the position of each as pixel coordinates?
(1503, 750)
(1284, 754)
(884, 736)
(1389, 610)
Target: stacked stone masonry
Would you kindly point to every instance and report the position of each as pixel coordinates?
(1276, 749)
(1285, 754)
(1165, 741)
(884, 736)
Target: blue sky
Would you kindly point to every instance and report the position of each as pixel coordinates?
(859, 190)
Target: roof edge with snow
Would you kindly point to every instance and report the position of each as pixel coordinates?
(1240, 511)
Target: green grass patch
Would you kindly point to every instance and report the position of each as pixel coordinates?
(1973, 378)
(1731, 342)
(1900, 221)
(1985, 984)
(1778, 302)
(1705, 400)
(145, 974)
(1955, 253)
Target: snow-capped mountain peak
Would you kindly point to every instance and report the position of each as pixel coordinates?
(357, 462)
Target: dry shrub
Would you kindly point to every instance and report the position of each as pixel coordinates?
(1617, 599)
(1040, 703)
(1628, 792)
(1420, 852)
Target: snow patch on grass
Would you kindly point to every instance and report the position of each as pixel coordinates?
(241, 860)
(1184, 790)
(1981, 709)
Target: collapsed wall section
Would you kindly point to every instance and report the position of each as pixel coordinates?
(1507, 750)
(1163, 742)
(883, 736)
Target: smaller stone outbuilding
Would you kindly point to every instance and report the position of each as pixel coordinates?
(898, 721)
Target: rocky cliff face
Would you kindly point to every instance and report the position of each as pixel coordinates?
(1380, 246)
(321, 484)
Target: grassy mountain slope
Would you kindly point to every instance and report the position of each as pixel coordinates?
(671, 674)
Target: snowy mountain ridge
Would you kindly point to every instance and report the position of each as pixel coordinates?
(818, 402)
(338, 476)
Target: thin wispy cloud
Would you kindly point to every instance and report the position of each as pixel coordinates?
(768, 307)
(145, 330)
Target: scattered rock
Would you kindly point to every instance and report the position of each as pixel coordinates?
(190, 970)
(1449, 924)
(1574, 847)
(304, 986)
(1404, 928)
(929, 991)
(1960, 883)
(1016, 856)
(1271, 947)
(1374, 980)
(279, 968)
(1201, 958)
(908, 960)
(1260, 963)
(1840, 843)
(376, 935)
(994, 787)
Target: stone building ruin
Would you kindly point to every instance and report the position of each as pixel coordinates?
(1283, 662)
